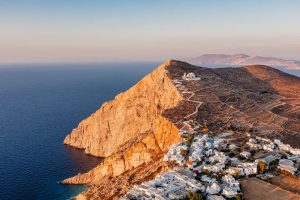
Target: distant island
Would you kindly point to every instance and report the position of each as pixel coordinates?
(191, 132)
(242, 59)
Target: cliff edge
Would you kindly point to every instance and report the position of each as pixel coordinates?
(131, 133)
(130, 114)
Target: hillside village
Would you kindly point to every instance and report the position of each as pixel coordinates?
(210, 167)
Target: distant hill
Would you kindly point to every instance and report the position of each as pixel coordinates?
(242, 59)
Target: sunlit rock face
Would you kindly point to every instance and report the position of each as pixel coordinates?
(130, 114)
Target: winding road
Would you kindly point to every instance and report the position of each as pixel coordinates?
(184, 90)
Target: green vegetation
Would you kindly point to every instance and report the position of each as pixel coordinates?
(232, 154)
(184, 152)
(237, 174)
(253, 152)
(205, 171)
(194, 196)
(238, 197)
(189, 140)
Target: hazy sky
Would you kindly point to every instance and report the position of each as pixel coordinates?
(144, 30)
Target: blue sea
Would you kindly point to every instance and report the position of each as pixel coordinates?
(39, 106)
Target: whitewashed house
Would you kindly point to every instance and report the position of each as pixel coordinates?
(295, 151)
(269, 147)
(213, 189)
(215, 197)
(252, 140)
(218, 157)
(245, 154)
(263, 139)
(209, 152)
(285, 147)
(249, 168)
(231, 182)
(190, 77)
(287, 165)
(254, 145)
(235, 171)
(232, 147)
(207, 179)
(228, 192)
(277, 142)
(215, 168)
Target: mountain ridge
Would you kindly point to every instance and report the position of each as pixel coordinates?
(243, 59)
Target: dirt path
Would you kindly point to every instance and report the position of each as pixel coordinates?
(184, 90)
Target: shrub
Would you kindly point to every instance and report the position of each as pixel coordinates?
(238, 197)
(252, 151)
(232, 154)
(194, 196)
(184, 152)
(205, 171)
(274, 162)
(189, 139)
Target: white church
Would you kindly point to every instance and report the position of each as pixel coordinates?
(190, 77)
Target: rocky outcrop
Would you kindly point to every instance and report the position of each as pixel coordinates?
(130, 132)
(149, 148)
(131, 113)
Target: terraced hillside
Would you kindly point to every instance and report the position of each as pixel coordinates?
(256, 98)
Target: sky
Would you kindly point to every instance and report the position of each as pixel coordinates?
(41, 31)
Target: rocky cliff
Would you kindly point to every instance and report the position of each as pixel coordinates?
(130, 114)
(130, 132)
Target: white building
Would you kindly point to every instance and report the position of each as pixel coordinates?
(249, 168)
(228, 192)
(263, 139)
(215, 168)
(245, 154)
(232, 147)
(215, 197)
(190, 77)
(209, 152)
(295, 152)
(252, 140)
(278, 142)
(287, 165)
(213, 189)
(208, 180)
(285, 147)
(269, 147)
(254, 146)
(231, 182)
(234, 171)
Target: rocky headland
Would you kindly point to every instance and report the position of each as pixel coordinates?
(135, 130)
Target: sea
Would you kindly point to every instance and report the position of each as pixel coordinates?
(39, 105)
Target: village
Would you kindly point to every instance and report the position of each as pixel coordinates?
(210, 166)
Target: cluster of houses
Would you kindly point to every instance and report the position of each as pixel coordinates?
(170, 185)
(209, 159)
(211, 166)
(285, 157)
